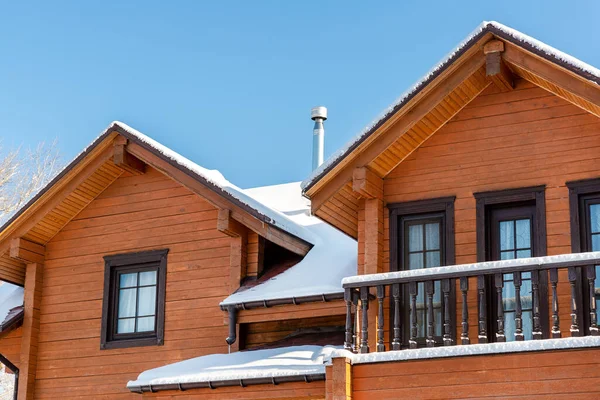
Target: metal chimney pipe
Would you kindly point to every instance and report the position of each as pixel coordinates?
(318, 114)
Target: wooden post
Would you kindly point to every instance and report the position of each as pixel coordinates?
(31, 330)
(339, 380)
(238, 257)
(495, 69)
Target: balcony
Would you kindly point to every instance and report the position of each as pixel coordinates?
(558, 287)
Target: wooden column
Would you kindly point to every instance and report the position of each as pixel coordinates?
(495, 68)
(369, 186)
(31, 330)
(338, 385)
(238, 247)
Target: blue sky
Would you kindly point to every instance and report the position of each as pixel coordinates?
(230, 84)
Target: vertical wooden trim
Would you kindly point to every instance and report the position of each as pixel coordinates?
(31, 329)
(339, 386)
(373, 236)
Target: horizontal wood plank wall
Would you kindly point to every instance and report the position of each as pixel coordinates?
(261, 333)
(524, 137)
(570, 374)
(135, 213)
(283, 391)
(252, 269)
(10, 346)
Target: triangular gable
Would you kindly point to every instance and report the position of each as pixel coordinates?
(434, 100)
(118, 149)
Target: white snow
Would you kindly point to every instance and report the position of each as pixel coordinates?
(269, 363)
(521, 37)
(487, 266)
(469, 350)
(11, 296)
(332, 258)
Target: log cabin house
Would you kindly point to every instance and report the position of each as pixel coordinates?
(448, 251)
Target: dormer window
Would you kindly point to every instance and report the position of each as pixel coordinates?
(134, 299)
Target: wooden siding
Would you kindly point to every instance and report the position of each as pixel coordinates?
(570, 374)
(10, 346)
(135, 213)
(521, 138)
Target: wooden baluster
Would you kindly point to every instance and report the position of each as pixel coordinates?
(380, 296)
(413, 290)
(555, 319)
(499, 284)
(447, 317)
(430, 290)
(518, 308)
(573, 281)
(348, 336)
(591, 278)
(482, 310)
(535, 293)
(396, 341)
(364, 303)
(355, 297)
(464, 287)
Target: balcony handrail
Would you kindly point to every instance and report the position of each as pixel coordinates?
(473, 269)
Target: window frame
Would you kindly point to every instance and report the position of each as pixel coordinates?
(132, 262)
(505, 199)
(399, 213)
(580, 193)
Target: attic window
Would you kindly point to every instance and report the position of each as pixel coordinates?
(134, 299)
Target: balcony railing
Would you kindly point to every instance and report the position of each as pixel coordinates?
(362, 288)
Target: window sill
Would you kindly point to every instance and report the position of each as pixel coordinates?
(136, 342)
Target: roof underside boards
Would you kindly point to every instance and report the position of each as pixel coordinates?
(247, 366)
(332, 258)
(425, 108)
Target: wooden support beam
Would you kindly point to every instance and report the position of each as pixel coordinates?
(338, 377)
(495, 69)
(228, 225)
(26, 251)
(123, 159)
(367, 183)
(238, 257)
(31, 329)
(237, 212)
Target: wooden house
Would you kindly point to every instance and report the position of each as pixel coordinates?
(448, 251)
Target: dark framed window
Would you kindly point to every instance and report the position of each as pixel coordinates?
(422, 236)
(584, 199)
(133, 309)
(512, 224)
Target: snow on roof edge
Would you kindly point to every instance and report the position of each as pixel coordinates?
(522, 38)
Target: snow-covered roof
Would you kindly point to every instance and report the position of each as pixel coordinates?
(585, 70)
(210, 177)
(332, 258)
(11, 296)
(294, 361)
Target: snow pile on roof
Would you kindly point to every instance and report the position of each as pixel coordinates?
(421, 83)
(332, 258)
(469, 350)
(269, 363)
(11, 296)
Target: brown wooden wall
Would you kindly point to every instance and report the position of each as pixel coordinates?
(136, 213)
(10, 346)
(525, 137)
(569, 374)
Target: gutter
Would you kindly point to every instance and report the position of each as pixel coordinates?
(308, 378)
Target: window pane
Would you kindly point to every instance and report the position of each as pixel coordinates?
(595, 218)
(128, 280)
(126, 325)
(147, 278)
(145, 324)
(147, 301)
(415, 237)
(596, 242)
(507, 238)
(507, 255)
(433, 259)
(523, 234)
(432, 236)
(509, 326)
(126, 303)
(523, 253)
(508, 296)
(415, 261)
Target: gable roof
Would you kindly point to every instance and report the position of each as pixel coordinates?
(536, 47)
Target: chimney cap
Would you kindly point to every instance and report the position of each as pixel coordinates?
(318, 112)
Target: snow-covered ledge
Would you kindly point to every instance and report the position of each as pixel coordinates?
(570, 343)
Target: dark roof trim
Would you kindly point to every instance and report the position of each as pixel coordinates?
(224, 383)
(489, 28)
(278, 302)
(13, 320)
(115, 127)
